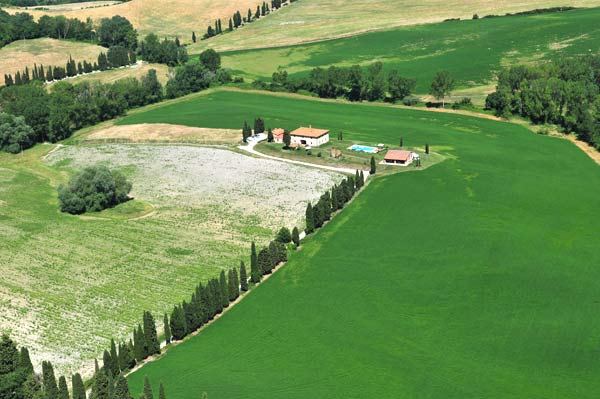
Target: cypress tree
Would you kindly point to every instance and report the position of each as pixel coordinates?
(357, 179)
(401, 141)
(63, 390)
(230, 25)
(121, 389)
(100, 387)
(362, 179)
(49, 381)
(249, 15)
(373, 165)
(243, 277)
(255, 272)
(219, 23)
(236, 282)
(78, 387)
(148, 388)
(426, 148)
(265, 262)
(161, 392)
(194, 37)
(232, 288)
(25, 360)
(296, 237)
(124, 357)
(114, 358)
(25, 76)
(310, 219)
(18, 80)
(270, 136)
(167, 329)
(150, 335)
(49, 74)
(139, 350)
(96, 368)
(177, 323)
(224, 289)
(257, 13)
(79, 68)
(107, 363)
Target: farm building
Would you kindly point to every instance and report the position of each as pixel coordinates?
(278, 135)
(399, 157)
(309, 136)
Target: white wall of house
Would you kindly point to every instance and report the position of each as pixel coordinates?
(310, 141)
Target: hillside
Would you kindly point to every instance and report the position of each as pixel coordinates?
(163, 17)
(313, 20)
(48, 52)
(420, 51)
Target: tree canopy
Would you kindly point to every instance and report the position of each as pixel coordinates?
(93, 189)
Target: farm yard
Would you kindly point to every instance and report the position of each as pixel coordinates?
(420, 51)
(424, 271)
(195, 211)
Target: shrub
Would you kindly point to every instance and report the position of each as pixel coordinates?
(284, 235)
(93, 189)
(15, 134)
(410, 101)
(463, 103)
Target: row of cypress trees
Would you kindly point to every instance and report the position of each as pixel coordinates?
(206, 302)
(340, 194)
(237, 20)
(115, 57)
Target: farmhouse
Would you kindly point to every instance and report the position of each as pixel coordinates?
(309, 136)
(399, 157)
(278, 135)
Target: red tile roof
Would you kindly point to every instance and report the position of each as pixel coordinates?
(278, 132)
(398, 155)
(309, 132)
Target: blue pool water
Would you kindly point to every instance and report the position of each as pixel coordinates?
(363, 148)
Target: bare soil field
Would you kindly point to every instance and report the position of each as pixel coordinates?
(163, 17)
(315, 20)
(63, 294)
(48, 52)
(164, 133)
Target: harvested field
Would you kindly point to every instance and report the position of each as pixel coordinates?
(63, 296)
(163, 17)
(48, 52)
(135, 71)
(164, 133)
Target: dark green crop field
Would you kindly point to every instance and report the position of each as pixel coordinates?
(472, 50)
(475, 278)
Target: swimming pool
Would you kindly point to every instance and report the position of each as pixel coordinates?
(364, 148)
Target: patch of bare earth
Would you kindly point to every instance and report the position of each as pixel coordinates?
(164, 133)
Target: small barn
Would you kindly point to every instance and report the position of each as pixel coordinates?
(398, 157)
(278, 135)
(309, 136)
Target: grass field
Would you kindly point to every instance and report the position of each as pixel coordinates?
(163, 17)
(48, 52)
(312, 20)
(70, 283)
(475, 278)
(112, 75)
(420, 51)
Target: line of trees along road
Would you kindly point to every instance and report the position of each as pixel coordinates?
(565, 92)
(54, 115)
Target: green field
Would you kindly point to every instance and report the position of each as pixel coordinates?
(475, 278)
(472, 50)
